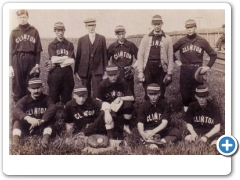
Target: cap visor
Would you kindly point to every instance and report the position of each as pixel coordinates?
(81, 93)
(202, 94)
(111, 73)
(152, 91)
(35, 86)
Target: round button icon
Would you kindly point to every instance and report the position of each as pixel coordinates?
(227, 145)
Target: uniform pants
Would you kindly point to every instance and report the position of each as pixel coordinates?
(154, 74)
(130, 81)
(22, 65)
(188, 84)
(61, 84)
(92, 82)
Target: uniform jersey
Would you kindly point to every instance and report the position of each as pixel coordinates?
(122, 54)
(82, 114)
(43, 108)
(108, 92)
(25, 38)
(152, 115)
(204, 119)
(154, 53)
(58, 48)
(192, 49)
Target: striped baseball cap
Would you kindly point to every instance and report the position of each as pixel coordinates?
(202, 91)
(153, 88)
(190, 23)
(35, 83)
(90, 21)
(119, 28)
(112, 69)
(157, 19)
(59, 26)
(80, 90)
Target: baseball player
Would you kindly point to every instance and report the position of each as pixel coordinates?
(191, 49)
(203, 118)
(34, 112)
(91, 58)
(122, 52)
(24, 55)
(115, 90)
(89, 115)
(61, 57)
(155, 57)
(154, 118)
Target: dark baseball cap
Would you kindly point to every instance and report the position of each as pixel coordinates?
(35, 83)
(202, 91)
(80, 91)
(153, 88)
(190, 23)
(59, 26)
(112, 70)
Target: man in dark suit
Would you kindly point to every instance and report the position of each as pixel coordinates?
(91, 58)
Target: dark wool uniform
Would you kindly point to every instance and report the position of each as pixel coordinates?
(122, 56)
(203, 120)
(89, 113)
(60, 79)
(25, 48)
(152, 115)
(154, 72)
(42, 108)
(191, 55)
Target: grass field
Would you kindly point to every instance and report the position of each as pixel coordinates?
(58, 146)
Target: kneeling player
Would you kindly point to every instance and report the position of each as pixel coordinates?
(203, 118)
(153, 119)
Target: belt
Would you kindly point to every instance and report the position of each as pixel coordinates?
(195, 65)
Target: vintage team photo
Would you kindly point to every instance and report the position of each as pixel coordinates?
(116, 82)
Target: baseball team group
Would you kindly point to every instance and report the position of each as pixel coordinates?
(95, 87)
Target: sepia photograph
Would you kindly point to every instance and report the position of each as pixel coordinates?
(116, 81)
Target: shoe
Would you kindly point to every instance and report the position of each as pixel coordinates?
(45, 140)
(16, 140)
(127, 129)
(185, 108)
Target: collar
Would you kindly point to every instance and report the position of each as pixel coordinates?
(208, 107)
(30, 99)
(74, 103)
(57, 41)
(125, 43)
(157, 104)
(91, 35)
(18, 28)
(152, 34)
(114, 84)
(192, 36)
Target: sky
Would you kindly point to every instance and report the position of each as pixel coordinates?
(135, 21)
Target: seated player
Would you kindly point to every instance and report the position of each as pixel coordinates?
(34, 112)
(154, 119)
(89, 115)
(115, 90)
(203, 118)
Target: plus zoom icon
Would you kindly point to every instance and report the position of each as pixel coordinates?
(227, 145)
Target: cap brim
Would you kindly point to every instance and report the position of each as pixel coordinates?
(35, 86)
(59, 28)
(190, 25)
(90, 23)
(112, 72)
(201, 94)
(152, 91)
(81, 93)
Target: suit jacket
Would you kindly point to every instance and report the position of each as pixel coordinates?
(99, 60)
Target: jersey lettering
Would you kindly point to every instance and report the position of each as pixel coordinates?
(203, 120)
(25, 37)
(156, 43)
(114, 94)
(36, 111)
(61, 52)
(122, 54)
(154, 117)
(192, 48)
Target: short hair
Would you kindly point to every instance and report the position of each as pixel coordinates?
(22, 11)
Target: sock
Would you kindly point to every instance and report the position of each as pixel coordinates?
(110, 133)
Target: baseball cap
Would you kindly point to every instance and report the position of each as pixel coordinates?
(190, 23)
(153, 88)
(59, 26)
(35, 83)
(22, 11)
(119, 28)
(200, 77)
(90, 21)
(80, 90)
(112, 70)
(156, 19)
(202, 91)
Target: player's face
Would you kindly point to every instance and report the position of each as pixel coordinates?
(113, 78)
(121, 36)
(157, 27)
(91, 28)
(191, 30)
(80, 100)
(23, 19)
(35, 92)
(60, 33)
(154, 97)
(202, 101)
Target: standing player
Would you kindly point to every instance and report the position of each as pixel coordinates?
(32, 112)
(154, 118)
(89, 115)
(203, 118)
(155, 57)
(91, 58)
(116, 90)
(60, 77)
(24, 55)
(122, 52)
(191, 49)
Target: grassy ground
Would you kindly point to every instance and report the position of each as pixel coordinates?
(31, 145)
